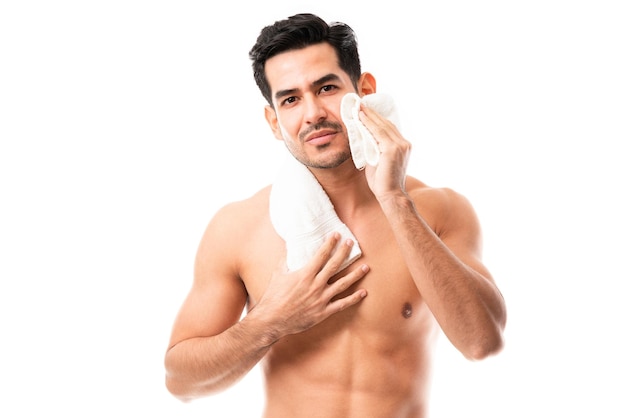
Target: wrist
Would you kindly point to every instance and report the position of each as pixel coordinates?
(267, 332)
(394, 199)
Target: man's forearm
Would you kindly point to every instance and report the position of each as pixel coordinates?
(199, 366)
(467, 305)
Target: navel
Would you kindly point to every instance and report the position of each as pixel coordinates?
(407, 310)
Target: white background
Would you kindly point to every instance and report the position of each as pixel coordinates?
(125, 125)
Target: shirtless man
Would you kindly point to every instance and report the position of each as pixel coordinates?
(335, 344)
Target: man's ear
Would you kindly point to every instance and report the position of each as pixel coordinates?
(272, 120)
(367, 84)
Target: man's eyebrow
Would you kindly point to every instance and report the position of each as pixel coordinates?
(327, 78)
(321, 81)
(284, 93)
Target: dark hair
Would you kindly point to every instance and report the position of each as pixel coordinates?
(300, 31)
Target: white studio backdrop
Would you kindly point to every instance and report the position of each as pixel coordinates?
(124, 125)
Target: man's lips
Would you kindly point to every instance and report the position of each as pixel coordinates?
(320, 137)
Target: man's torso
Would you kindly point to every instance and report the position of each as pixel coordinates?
(371, 359)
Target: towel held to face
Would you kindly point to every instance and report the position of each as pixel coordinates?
(300, 210)
(362, 144)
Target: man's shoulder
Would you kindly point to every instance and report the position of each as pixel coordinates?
(440, 204)
(259, 199)
(243, 212)
(418, 190)
(230, 229)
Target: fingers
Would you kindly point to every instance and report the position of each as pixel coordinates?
(383, 130)
(308, 296)
(324, 253)
(343, 283)
(333, 265)
(330, 256)
(343, 303)
(327, 263)
(377, 124)
(329, 260)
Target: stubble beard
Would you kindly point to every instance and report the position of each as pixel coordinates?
(334, 161)
(329, 161)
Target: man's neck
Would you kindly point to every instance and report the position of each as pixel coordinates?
(345, 186)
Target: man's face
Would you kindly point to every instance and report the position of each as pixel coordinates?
(307, 86)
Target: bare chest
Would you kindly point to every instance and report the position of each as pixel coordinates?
(393, 305)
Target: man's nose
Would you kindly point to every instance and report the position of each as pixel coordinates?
(315, 110)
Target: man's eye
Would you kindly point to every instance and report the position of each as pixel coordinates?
(289, 100)
(328, 88)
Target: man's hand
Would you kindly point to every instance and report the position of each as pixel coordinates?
(296, 301)
(388, 177)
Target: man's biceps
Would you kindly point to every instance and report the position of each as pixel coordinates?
(214, 307)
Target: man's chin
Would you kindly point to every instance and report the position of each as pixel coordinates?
(328, 162)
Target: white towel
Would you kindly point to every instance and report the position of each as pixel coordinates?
(362, 144)
(303, 215)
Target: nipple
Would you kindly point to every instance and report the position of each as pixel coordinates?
(407, 310)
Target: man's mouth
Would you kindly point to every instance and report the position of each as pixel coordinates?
(318, 131)
(320, 137)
